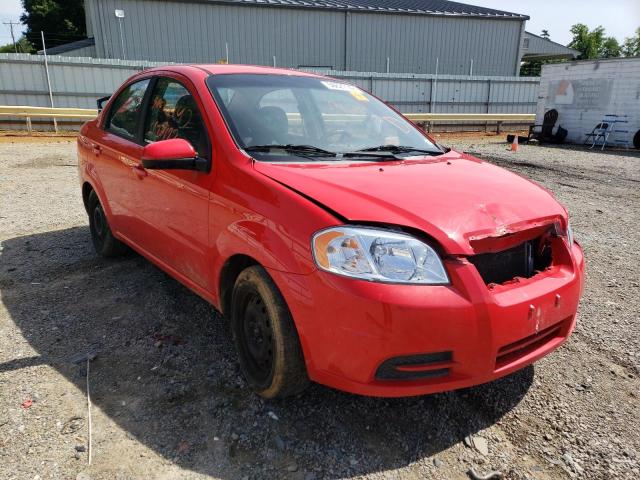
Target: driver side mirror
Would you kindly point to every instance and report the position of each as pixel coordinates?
(173, 154)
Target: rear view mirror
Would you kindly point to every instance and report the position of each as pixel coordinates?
(173, 154)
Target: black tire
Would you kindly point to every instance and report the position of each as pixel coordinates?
(104, 242)
(266, 338)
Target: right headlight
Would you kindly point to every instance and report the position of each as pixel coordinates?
(570, 239)
(377, 255)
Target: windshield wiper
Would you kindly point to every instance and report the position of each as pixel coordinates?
(306, 149)
(313, 153)
(400, 149)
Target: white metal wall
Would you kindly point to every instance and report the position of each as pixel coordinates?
(583, 92)
(416, 93)
(78, 82)
(75, 82)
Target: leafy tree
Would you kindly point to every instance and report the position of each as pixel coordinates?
(587, 42)
(22, 45)
(610, 48)
(631, 45)
(545, 34)
(533, 68)
(62, 21)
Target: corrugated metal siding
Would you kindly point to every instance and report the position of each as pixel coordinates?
(75, 82)
(598, 88)
(539, 46)
(89, 51)
(197, 32)
(416, 93)
(78, 82)
(413, 43)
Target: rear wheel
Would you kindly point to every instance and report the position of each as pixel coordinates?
(268, 346)
(104, 242)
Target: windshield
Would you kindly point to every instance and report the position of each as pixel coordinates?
(306, 117)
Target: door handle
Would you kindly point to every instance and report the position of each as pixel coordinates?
(97, 149)
(139, 171)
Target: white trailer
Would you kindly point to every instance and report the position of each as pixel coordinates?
(584, 92)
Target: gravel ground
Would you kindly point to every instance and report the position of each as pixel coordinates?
(168, 401)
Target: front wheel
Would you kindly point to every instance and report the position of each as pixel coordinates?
(104, 242)
(268, 346)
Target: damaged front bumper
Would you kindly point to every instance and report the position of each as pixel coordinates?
(400, 340)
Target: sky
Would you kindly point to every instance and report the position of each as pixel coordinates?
(620, 18)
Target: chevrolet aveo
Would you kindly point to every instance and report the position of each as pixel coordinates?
(345, 245)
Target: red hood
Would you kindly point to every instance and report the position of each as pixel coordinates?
(454, 198)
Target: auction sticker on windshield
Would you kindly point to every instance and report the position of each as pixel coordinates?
(353, 90)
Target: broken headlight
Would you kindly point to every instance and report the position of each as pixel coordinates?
(569, 234)
(377, 255)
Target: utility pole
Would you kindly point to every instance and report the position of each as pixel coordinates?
(11, 24)
(46, 69)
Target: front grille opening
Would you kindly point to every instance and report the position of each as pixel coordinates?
(513, 351)
(524, 261)
(414, 367)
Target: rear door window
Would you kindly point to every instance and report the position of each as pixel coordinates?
(173, 113)
(124, 115)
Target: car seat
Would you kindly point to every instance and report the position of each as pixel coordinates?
(274, 126)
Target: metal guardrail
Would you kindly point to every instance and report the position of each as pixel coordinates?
(428, 118)
(28, 112)
(465, 117)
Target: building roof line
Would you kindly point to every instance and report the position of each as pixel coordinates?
(67, 47)
(551, 41)
(443, 8)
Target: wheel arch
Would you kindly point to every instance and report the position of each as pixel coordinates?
(87, 188)
(229, 272)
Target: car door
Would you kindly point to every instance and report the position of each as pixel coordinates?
(117, 147)
(176, 202)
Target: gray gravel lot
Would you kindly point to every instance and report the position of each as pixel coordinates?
(168, 401)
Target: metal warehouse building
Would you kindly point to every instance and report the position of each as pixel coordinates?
(407, 36)
(397, 36)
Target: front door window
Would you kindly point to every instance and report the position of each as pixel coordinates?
(173, 113)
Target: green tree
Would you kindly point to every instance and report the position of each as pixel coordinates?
(587, 42)
(62, 21)
(22, 45)
(533, 68)
(545, 34)
(631, 45)
(610, 48)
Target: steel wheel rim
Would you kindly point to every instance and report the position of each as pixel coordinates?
(257, 338)
(99, 222)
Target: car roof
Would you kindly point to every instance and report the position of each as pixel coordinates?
(217, 69)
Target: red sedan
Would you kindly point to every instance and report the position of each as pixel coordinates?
(345, 246)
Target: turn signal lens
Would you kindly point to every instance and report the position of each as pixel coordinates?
(377, 255)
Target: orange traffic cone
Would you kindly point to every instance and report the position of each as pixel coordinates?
(514, 144)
